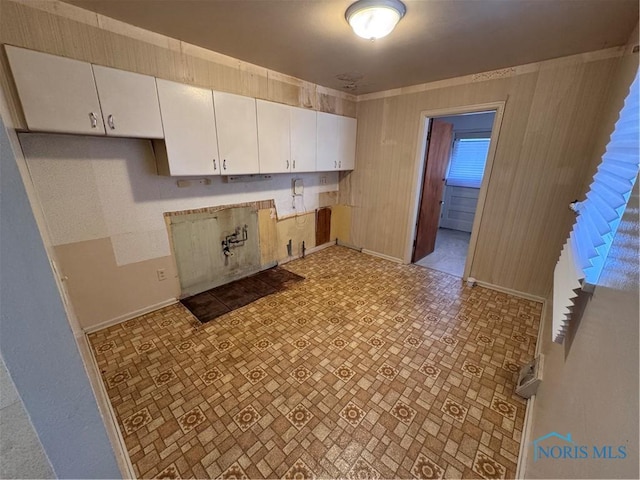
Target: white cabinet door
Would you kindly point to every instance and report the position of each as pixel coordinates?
(346, 143)
(129, 103)
(237, 133)
(327, 148)
(57, 94)
(189, 130)
(274, 149)
(303, 140)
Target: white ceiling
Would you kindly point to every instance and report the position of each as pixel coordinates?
(437, 39)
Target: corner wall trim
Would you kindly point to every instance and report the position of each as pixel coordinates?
(129, 316)
(383, 256)
(106, 409)
(523, 454)
(340, 243)
(510, 291)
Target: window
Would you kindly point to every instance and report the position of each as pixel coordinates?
(468, 158)
(583, 255)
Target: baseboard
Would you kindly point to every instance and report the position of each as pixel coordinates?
(382, 255)
(129, 315)
(510, 291)
(347, 245)
(307, 252)
(106, 409)
(523, 454)
(525, 439)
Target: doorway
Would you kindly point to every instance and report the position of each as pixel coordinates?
(456, 152)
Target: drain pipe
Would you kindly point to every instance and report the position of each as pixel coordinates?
(303, 249)
(289, 248)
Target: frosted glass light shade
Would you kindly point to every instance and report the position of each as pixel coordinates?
(373, 19)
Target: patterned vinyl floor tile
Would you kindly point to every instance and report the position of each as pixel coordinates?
(365, 369)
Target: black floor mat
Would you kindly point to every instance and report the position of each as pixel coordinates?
(213, 303)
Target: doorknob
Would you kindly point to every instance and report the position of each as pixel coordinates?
(441, 202)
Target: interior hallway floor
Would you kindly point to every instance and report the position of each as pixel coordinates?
(450, 253)
(365, 369)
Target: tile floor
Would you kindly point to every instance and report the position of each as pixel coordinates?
(366, 369)
(450, 253)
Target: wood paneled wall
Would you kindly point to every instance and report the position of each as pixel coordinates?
(54, 27)
(547, 132)
(542, 159)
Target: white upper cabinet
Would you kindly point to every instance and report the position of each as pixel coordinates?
(237, 133)
(57, 94)
(273, 137)
(205, 132)
(327, 147)
(303, 139)
(336, 142)
(190, 145)
(346, 143)
(129, 103)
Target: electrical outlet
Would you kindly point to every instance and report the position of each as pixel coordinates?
(162, 274)
(323, 180)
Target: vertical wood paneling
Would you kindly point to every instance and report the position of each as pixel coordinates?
(60, 29)
(545, 142)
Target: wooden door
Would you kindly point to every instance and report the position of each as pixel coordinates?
(129, 102)
(438, 153)
(189, 130)
(237, 133)
(57, 94)
(303, 140)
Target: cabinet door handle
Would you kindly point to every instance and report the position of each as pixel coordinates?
(224, 164)
(94, 119)
(294, 164)
(214, 164)
(112, 125)
(287, 164)
(335, 164)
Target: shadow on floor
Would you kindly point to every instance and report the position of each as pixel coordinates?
(213, 303)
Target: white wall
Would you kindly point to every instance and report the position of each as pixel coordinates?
(92, 188)
(590, 384)
(21, 453)
(37, 343)
(591, 389)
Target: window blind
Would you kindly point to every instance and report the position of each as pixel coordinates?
(598, 216)
(468, 158)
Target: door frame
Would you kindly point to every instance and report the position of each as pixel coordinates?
(420, 162)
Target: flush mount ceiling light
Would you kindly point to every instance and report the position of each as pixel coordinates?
(373, 19)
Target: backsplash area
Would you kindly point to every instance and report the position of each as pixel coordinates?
(214, 247)
(104, 206)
